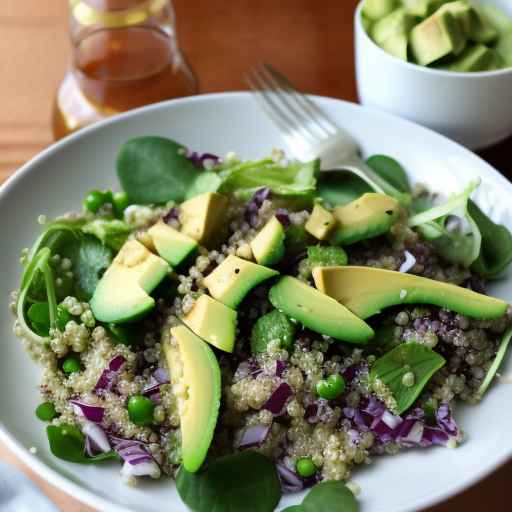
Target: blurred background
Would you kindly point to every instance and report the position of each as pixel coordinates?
(311, 41)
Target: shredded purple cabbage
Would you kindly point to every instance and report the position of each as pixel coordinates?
(96, 440)
(290, 482)
(203, 160)
(283, 217)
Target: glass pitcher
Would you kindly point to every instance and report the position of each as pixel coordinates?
(125, 55)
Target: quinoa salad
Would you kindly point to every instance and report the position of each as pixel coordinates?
(260, 325)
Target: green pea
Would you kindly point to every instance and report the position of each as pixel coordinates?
(94, 200)
(305, 467)
(140, 408)
(120, 201)
(71, 364)
(46, 411)
(331, 388)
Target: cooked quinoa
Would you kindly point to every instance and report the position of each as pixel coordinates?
(335, 434)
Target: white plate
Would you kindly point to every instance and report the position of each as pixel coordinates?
(56, 181)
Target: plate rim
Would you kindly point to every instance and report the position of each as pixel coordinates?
(88, 497)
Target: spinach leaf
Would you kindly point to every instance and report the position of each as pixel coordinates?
(68, 443)
(458, 243)
(496, 251)
(502, 350)
(390, 170)
(407, 358)
(205, 181)
(155, 170)
(327, 497)
(91, 260)
(245, 481)
(341, 188)
(39, 315)
(295, 179)
(111, 232)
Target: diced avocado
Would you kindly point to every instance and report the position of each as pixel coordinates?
(367, 217)
(173, 246)
(213, 322)
(421, 8)
(270, 327)
(504, 48)
(495, 17)
(464, 14)
(473, 58)
(122, 293)
(326, 256)
(396, 45)
(232, 280)
(367, 23)
(317, 311)
(483, 31)
(202, 217)
(366, 291)
(437, 36)
(398, 22)
(377, 9)
(268, 245)
(321, 222)
(196, 384)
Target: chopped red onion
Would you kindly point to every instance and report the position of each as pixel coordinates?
(390, 420)
(409, 262)
(280, 368)
(161, 375)
(142, 467)
(137, 460)
(254, 436)
(277, 400)
(93, 413)
(172, 214)
(203, 160)
(96, 440)
(283, 217)
(445, 421)
(254, 205)
(109, 376)
(416, 433)
(290, 482)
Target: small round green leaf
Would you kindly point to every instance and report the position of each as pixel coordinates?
(330, 496)
(243, 481)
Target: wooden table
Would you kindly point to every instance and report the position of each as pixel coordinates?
(310, 40)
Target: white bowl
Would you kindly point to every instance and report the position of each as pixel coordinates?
(474, 109)
(56, 181)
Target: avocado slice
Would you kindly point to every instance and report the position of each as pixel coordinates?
(504, 48)
(367, 217)
(232, 280)
(122, 293)
(213, 322)
(321, 222)
(483, 31)
(398, 22)
(173, 246)
(464, 14)
(268, 245)
(376, 9)
(366, 291)
(473, 58)
(397, 45)
(202, 217)
(437, 36)
(421, 8)
(317, 311)
(495, 17)
(196, 383)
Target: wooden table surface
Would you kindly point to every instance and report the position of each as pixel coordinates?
(310, 40)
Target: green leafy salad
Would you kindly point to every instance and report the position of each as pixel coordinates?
(258, 328)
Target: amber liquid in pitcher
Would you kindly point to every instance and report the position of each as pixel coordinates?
(115, 70)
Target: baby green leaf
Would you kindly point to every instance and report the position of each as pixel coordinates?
(245, 481)
(390, 170)
(502, 350)
(407, 358)
(92, 258)
(68, 443)
(496, 251)
(272, 326)
(155, 170)
(341, 188)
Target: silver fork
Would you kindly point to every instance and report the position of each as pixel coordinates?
(308, 131)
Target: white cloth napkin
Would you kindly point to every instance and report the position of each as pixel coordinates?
(19, 494)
